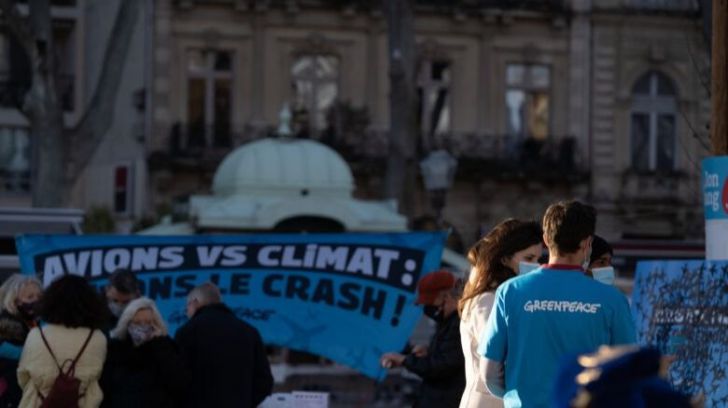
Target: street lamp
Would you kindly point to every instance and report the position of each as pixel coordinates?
(438, 172)
(284, 122)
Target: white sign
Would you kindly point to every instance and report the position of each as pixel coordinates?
(304, 399)
(297, 399)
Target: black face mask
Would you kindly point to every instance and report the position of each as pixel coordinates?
(28, 311)
(433, 312)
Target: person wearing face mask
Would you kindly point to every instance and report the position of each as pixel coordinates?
(442, 366)
(495, 258)
(19, 297)
(123, 287)
(541, 317)
(600, 262)
(144, 367)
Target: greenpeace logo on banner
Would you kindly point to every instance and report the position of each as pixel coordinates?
(365, 261)
(533, 306)
(709, 316)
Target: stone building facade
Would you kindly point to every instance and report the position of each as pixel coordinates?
(602, 100)
(115, 178)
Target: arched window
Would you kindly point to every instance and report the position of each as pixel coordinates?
(209, 97)
(653, 122)
(527, 101)
(433, 96)
(315, 82)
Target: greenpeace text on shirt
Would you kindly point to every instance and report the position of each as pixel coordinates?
(533, 306)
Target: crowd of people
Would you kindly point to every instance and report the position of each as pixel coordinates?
(502, 334)
(118, 353)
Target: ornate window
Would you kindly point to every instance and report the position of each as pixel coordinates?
(315, 84)
(433, 92)
(652, 123)
(209, 98)
(14, 159)
(528, 89)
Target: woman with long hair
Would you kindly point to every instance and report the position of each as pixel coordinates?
(494, 259)
(144, 367)
(73, 315)
(19, 296)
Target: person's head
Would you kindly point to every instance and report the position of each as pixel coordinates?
(495, 257)
(438, 292)
(568, 227)
(70, 301)
(123, 287)
(19, 296)
(206, 294)
(140, 318)
(601, 255)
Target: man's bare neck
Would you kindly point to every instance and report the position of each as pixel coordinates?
(568, 259)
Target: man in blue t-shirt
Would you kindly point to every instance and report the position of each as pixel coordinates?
(555, 311)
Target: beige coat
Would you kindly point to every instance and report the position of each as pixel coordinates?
(37, 371)
(472, 324)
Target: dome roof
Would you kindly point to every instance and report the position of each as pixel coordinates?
(282, 164)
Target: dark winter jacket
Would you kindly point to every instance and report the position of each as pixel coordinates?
(13, 332)
(153, 374)
(227, 360)
(443, 368)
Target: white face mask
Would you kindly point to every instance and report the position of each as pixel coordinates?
(116, 308)
(604, 275)
(527, 267)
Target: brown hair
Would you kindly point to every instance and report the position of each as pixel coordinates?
(487, 255)
(70, 301)
(566, 224)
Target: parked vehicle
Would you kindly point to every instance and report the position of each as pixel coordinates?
(15, 221)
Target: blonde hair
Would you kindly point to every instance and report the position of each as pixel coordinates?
(136, 305)
(11, 288)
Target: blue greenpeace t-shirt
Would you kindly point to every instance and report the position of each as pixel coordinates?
(541, 317)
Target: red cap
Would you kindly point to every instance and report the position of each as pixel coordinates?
(432, 284)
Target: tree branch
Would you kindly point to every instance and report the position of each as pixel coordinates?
(97, 118)
(18, 25)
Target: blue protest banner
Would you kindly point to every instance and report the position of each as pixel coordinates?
(348, 297)
(715, 206)
(681, 307)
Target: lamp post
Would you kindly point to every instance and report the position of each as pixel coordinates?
(284, 122)
(438, 173)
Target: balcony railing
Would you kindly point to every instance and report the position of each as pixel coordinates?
(482, 155)
(672, 188)
(479, 155)
(663, 5)
(12, 91)
(196, 139)
(427, 5)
